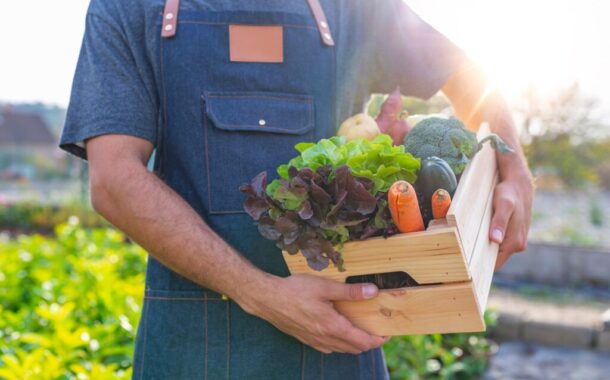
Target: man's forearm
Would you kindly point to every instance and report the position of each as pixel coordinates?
(495, 111)
(152, 214)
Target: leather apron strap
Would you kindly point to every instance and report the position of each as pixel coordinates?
(321, 22)
(170, 20)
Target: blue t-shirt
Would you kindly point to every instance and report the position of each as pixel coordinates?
(380, 44)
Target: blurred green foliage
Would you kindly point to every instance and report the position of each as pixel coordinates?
(42, 166)
(436, 356)
(35, 216)
(578, 165)
(596, 214)
(573, 235)
(70, 304)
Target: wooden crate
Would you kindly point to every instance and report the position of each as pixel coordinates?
(452, 261)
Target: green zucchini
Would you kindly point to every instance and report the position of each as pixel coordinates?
(435, 173)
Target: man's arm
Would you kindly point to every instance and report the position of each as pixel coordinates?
(152, 214)
(475, 102)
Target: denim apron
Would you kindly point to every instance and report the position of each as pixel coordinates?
(222, 123)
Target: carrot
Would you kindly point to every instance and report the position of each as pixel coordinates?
(404, 207)
(441, 200)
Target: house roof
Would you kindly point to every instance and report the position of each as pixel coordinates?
(24, 129)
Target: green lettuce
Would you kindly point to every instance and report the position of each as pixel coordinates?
(378, 160)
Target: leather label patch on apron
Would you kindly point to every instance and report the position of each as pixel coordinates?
(256, 43)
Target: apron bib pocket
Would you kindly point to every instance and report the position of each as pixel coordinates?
(246, 133)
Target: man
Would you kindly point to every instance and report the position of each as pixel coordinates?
(223, 90)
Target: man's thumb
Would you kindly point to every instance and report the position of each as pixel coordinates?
(354, 292)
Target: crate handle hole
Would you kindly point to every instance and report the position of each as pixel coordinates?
(390, 280)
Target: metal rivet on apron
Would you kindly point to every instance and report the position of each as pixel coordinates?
(169, 16)
(323, 24)
(262, 122)
(168, 27)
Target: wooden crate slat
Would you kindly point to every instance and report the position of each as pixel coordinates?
(428, 256)
(468, 206)
(426, 309)
(484, 257)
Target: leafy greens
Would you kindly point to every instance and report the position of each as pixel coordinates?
(378, 160)
(331, 193)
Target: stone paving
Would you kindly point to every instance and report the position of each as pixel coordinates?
(522, 361)
(575, 324)
(556, 335)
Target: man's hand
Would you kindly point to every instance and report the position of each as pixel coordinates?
(301, 306)
(512, 205)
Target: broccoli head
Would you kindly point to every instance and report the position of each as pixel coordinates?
(449, 140)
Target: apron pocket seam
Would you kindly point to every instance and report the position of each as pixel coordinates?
(143, 360)
(228, 311)
(205, 334)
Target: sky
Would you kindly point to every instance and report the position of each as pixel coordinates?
(547, 44)
(40, 41)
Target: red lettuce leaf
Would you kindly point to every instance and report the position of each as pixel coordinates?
(315, 211)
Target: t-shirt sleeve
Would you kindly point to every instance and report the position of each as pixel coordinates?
(111, 90)
(408, 52)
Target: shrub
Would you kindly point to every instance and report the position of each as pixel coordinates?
(70, 304)
(33, 216)
(436, 356)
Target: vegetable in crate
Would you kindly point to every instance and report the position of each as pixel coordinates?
(331, 193)
(377, 160)
(404, 207)
(441, 201)
(313, 211)
(450, 140)
(391, 119)
(360, 126)
(413, 120)
(434, 174)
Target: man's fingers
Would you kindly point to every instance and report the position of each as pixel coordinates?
(516, 241)
(354, 339)
(350, 338)
(359, 339)
(502, 258)
(504, 205)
